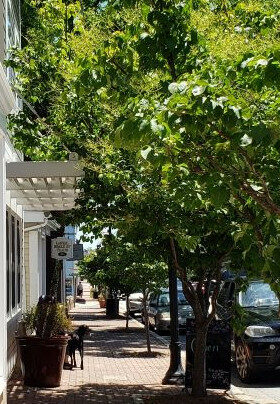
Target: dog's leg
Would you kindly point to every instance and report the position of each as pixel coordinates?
(82, 358)
(71, 357)
(75, 364)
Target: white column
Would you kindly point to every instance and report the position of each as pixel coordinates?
(23, 278)
(34, 266)
(3, 315)
(43, 262)
(40, 263)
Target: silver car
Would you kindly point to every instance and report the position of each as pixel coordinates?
(159, 310)
(135, 303)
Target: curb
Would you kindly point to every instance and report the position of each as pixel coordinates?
(238, 395)
(242, 397)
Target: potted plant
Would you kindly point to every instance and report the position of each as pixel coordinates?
(102, 301)
(42, 350)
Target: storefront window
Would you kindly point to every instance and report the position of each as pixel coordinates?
(13, 252)
(19, 238)
(8, 260)
(14, 260)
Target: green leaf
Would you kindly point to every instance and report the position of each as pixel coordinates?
(198, 90)
(219, 195)
(276, 255)
(173, 88)
(245, 140)
(145, 152)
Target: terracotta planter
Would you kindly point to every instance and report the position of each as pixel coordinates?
(42, 360)
(102, 303)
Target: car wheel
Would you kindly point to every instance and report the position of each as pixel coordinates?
(243, 363)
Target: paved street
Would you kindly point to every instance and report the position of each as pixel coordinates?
(266, 391)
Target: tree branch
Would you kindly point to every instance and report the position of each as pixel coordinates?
(188, 287)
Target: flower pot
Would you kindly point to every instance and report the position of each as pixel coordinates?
(112, 307)
(42, 360)
(102, 303)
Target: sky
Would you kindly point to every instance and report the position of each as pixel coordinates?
(92, 245)
(88, 245)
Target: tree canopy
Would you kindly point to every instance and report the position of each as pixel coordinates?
(173, 108)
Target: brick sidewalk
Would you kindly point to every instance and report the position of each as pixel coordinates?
(115, 368)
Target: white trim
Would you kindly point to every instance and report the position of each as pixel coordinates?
(34, 217)
(43, 185)
(53, 225)
(37, 227)
(44, 169)
(7, 98)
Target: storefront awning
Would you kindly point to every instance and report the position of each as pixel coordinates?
(44, 185)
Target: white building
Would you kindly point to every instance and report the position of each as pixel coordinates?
(28, 192)
(69, 270)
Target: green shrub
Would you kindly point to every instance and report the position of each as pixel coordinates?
(47, 319)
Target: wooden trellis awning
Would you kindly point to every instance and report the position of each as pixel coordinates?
(44, 185)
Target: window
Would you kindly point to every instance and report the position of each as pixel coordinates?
(18, 263)
(153, 300)
(164, 299)
(13, 260)
(224, 293)
(258, 294)
(13, 253)
(8, 260)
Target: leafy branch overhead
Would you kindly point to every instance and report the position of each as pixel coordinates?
(173, 108)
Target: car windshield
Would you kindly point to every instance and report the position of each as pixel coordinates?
(258, 294)
(164, 299)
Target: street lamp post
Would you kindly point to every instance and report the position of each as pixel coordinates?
(175, 373)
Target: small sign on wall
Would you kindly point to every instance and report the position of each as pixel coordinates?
(78, 252)
(62, 248)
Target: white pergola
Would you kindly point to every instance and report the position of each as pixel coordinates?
(44, 185)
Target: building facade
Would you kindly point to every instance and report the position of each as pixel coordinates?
(29, 191)
(69, 271)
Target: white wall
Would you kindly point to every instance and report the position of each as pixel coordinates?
(3, 316)
(34, 266)
(35, 263)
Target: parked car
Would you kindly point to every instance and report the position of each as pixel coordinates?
(257, 349)
(159, 310)
(135, 303)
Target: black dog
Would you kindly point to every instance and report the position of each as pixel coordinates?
(76, 342)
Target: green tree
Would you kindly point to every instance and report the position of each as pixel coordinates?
(173, 107)
(128, 268)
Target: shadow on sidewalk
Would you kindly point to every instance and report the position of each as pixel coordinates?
(80, 300)
(116, 343)
(109, 393)
(108, 337)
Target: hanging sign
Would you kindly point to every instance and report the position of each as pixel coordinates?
(78, 252)
(62, 248)
(218, 354)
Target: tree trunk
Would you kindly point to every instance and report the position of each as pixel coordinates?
(278, 297)
(175, 372)
(147, 326)
(127, 313)
(199, 367)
